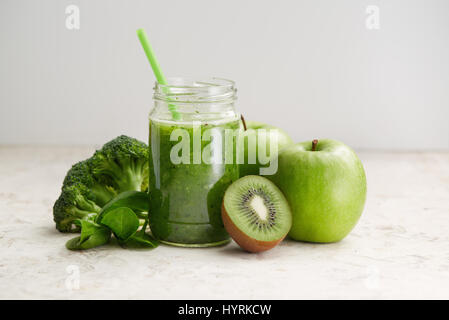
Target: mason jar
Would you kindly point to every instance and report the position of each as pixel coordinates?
(192, 145)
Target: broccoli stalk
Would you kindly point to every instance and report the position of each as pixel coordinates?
(126, 173)
(103, 194)
(123, 160)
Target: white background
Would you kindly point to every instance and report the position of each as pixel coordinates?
(310, 67)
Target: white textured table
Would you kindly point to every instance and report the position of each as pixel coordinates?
(399, 249)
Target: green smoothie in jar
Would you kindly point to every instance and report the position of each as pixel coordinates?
(192, 160)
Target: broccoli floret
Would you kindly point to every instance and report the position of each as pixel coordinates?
(101, 190)
(120, 165)
(73, 204)
(123, 162)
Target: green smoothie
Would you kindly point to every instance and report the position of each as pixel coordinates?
(186, 197)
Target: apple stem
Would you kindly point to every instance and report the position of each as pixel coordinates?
(243, 121)
(314, 143)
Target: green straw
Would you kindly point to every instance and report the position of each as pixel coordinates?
(156, 68)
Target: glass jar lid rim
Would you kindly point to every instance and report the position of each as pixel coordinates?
(186, 83)
(181, 90)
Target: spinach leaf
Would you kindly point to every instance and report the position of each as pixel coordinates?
(92, 235)
(139, 241)
(121, 216)
(122, 221)
(135, 200)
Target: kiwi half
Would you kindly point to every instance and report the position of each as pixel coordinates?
(255, 213)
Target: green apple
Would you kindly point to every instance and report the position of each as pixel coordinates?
(252, 127)
(325, 185)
